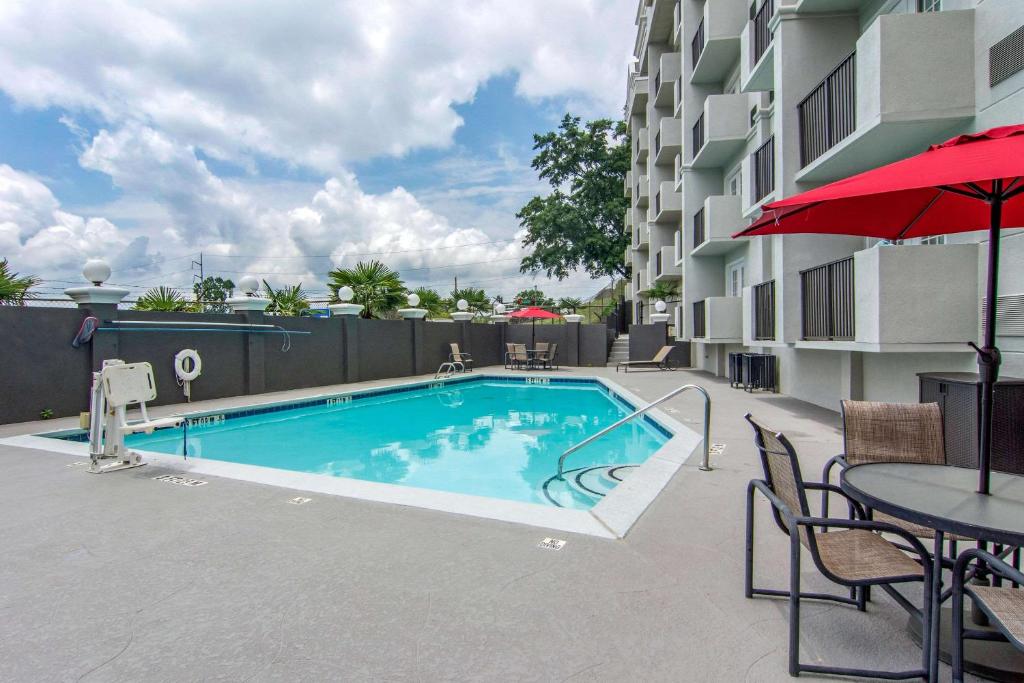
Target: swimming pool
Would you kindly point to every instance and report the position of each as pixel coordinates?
(499, 439)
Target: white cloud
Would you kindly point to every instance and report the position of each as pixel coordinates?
(318, 84)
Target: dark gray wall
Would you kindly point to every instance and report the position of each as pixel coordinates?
(385, 349)
(646, 340)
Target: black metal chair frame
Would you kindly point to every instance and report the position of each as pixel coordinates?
(790, 524)
(990, 564)
(464, 358)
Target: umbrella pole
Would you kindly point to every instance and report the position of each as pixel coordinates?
(988, 354)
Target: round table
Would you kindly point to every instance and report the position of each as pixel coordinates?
(943, 498)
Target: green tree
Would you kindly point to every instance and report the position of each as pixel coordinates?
(436, 305)
(477, 299)
(213, 291)
(580, 224)
(14, 288)
(289, 300)
(569, 303)
(660, 290)
(533, 297)
(378, 288)
(163, 299)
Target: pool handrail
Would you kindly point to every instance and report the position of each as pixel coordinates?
(705, 464)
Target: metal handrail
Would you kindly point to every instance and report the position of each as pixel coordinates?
(705, 464)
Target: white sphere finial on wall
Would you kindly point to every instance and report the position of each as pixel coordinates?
(462, 304)
(96, 271)
(346, 293)
(248, 284)
(414, 299)
(660, 306)
(499, 308)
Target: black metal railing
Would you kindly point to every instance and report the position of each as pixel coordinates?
(657, 263)
(763, 165)
(697, 46)
(698, 135)
(699, 229)
(829, 113)
(762, 33)
(827, 304)
(764, 311)
(699, 323)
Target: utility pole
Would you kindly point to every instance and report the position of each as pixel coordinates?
(198, 263)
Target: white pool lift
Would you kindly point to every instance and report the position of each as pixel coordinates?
(115, 388)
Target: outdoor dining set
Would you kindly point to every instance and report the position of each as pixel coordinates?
(543, 356)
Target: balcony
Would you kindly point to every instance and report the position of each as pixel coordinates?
(664, 81)
(720, 132)
(627, 185)
(757, 53)
(909, 83)
(627, 222)
(627, 257)
(714, 223)
(763, 306)
(762, 167)
(636, 94)
(718, 320)
(664, 266)
(827, 311)
(641, 145)
(715, 45)
(668, 203)
(642, 191)
(668, 141)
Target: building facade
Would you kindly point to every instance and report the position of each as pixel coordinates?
(733, 103)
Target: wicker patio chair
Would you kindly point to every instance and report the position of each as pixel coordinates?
(853, 553)
(458, 357)
(1003, 605)
(892, 432)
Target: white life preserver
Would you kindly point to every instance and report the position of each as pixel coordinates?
(179, 365)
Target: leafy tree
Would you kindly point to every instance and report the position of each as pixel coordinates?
(533, 297)
(13, 287)
(477, 299)
(569, 303)
(213, 291)
(660, 290)
(376, 287)
(287, 300)
(436, 305)
(580, 224)
(163, 299)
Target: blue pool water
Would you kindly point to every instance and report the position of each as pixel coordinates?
(498, 439)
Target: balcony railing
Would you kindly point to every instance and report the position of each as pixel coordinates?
(699, 229)
(697, 46)
(698, 135)
(829, 113)
(764, 311)
(763, 165)
(826, 294)
(699, 322)
(657, 143)
(762, 33)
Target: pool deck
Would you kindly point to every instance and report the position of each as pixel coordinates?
(123, 578)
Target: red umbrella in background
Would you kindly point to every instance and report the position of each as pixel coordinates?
(971, 182)
(533, 312)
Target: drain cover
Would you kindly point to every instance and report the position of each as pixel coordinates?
(300, 500)
(551, 544)
(180, 481)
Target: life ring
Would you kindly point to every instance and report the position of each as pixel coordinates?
(179, 365)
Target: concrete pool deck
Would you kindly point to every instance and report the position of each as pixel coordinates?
(123, 577)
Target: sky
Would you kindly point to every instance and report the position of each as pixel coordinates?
(282, 140)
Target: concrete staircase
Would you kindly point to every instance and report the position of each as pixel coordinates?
(620, 350)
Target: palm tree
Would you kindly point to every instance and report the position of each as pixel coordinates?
(376, 287)
(570, 303)
(14, 289)
(163, 299)
(432, 301)
(660, 291)
(287, 300)
(477, 299)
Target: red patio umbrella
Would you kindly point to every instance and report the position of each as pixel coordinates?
(533, 312)
(971, 182)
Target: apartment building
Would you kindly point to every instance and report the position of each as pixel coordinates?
(775, 97)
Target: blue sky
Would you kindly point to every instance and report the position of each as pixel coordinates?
(296, 142)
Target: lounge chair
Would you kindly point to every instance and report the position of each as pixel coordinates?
(849, 552)
(660, 361)
(456, 356)
(1003, 605)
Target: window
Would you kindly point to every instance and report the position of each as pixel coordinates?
(734, 183)
(935, 239)
(929, 5)
(735, 276)
(753, 116)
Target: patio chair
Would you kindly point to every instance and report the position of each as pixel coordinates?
(661, 361)
(549, 359)
(516, 356)
(1003, 605)
(852, 553)
(891, 432)
(456, 356)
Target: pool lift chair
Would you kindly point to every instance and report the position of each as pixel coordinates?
(115, 388)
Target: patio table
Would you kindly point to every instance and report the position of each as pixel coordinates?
(943, 498)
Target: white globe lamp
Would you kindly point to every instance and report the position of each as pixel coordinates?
(463, 314)
(661, 316)
(499, 308)
(414, 300)
(249, 285)
(346, 293)
(413, 312)
(250, 299)
(462, 304)
(660, 306)
(96, 271)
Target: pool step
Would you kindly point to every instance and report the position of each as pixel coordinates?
(585, 484)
